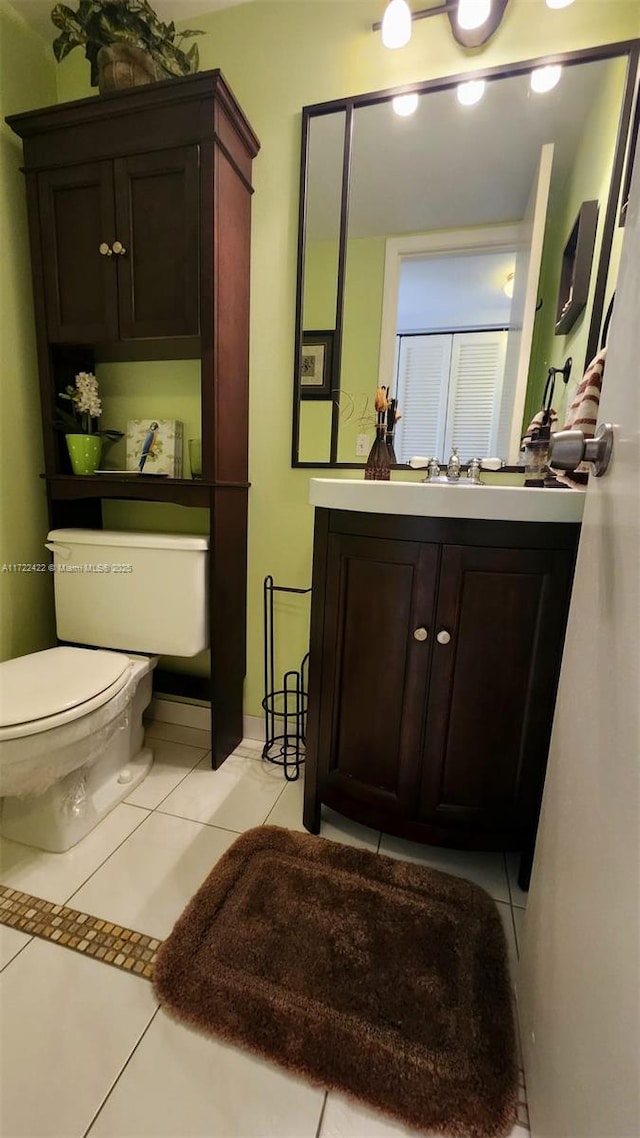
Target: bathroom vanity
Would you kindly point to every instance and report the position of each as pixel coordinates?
(437, 625)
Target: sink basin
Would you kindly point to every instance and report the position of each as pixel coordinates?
(444, 500)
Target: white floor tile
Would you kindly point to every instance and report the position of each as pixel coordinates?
(149, 880)
(176, 733)
(486, 869)
(236, 797)
(512, 948)
(344, 1118)
(11, 941)
(55, 876)
(287, 812)
(171, 762)
(180, 1083)
(68, 1025)
(518, 895)
(519, 916)
(250, 748)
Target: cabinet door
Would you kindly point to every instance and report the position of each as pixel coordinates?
(157, 211)
(77, 217)
(493, 682)
(374, 670)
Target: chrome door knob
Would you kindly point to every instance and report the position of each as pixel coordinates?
(443, 637)
(105, 250)
(420, 634)
(569, 448)
(119, 248)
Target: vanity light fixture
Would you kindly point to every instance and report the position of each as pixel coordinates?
(473, 14)
(544, 79)
(396, 24)
(405, 105)
(470, 93)
(559, 3)
(473, 22)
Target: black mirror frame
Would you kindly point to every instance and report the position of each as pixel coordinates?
(629, 48)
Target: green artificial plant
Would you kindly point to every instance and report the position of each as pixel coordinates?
(101, 23)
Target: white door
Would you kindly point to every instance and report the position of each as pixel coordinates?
(524, 303)
(579, 978)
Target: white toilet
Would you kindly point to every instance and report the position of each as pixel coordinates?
(71, 733)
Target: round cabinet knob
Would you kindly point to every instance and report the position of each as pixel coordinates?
(105, 249)
(119, 248)
(420, 634)
(443, 637)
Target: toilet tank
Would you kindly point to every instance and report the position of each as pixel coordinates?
(142, 592)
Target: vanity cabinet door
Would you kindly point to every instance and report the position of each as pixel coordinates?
(375, 662)
(497, 647)
(76, 213)
(157, 222)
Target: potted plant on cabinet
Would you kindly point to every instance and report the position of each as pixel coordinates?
(81, 424)
(125, 42)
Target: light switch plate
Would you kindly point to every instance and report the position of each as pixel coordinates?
(363, 445)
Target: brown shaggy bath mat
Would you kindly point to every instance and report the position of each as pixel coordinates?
(379, 979)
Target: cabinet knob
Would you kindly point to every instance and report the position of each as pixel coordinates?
(420, 634)
(443, 637)
(119, 248)
(105, 250)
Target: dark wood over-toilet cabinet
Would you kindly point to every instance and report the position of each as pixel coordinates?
(435, 655)
(139, 215)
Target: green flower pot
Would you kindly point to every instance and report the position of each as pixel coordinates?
(84, 452)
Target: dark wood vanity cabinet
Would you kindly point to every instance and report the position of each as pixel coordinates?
(120, 247)
(435, 654)
(139, 205)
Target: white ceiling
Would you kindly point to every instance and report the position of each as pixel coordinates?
(38, 12)
(448, 166)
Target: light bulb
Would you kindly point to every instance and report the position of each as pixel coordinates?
(507, 287)
(396, 24)
(405, 105)
(471, 92)
(473, 13)
(544, 79)
(559, 3)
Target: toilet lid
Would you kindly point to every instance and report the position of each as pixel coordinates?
(46, 683)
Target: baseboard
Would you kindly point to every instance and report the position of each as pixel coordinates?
(175, 711)
(199, 715)
(253, 727)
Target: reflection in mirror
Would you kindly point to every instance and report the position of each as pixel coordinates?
(458, 218)
(324, 190)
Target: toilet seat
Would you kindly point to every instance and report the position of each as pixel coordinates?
(47, 689)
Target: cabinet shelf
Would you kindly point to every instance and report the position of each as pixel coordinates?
(180, 491)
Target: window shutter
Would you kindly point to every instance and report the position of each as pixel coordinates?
(423, 376)
(475, 393)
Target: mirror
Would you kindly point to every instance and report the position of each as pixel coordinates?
(431, 255)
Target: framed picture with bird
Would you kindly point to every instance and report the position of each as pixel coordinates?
(154, 446)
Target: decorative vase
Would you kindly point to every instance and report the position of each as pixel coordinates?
(84, 452)
(378, 462)
(121, 66)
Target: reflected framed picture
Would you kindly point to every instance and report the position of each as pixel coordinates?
(316, 367)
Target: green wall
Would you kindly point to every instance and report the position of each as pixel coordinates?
(27, 80)
(589, 181)
(278, 57)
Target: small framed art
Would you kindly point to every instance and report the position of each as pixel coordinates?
(316, 368)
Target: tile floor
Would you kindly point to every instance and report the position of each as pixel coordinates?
(84, 1048)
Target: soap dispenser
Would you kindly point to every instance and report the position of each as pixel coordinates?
(537, 457)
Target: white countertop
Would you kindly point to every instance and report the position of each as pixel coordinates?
(420, 499)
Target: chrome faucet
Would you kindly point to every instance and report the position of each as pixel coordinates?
(434, 471)
(453, 466)
(473, 472)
